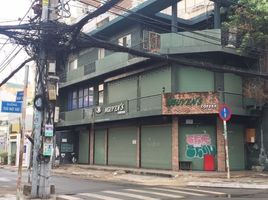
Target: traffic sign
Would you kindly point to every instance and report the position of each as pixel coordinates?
(225, 112)
(19, 96)
(11, 107)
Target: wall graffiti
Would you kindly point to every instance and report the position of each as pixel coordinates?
(197, 145)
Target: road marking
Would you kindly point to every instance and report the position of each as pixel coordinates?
(156, 193)
(179, 191)
(131, 195)
(98, 196)
(204, 191)
(67, 197)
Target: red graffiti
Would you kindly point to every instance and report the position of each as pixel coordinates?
(198, 140)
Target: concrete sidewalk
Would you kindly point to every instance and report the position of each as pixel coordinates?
(239, 179)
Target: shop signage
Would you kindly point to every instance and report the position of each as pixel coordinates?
(19, 96)
(190, 103)
(11, 107)
(119, 108)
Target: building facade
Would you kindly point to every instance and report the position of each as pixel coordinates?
(119, 109)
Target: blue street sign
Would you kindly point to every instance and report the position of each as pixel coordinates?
(225, 113)
(19, 96)
(11, 107)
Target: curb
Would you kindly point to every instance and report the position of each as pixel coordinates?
(127, 171)
(229, 185)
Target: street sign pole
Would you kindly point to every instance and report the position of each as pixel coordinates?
(226, 148)
(22, 132)
(225, 114)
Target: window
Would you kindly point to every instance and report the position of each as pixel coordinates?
(151, 41)
(102, 22)
(86, 97)
(101, 53)
(90, 96)
(80, 98)
(101, 94)
(125, 41)
(74, 100)
(72, 65)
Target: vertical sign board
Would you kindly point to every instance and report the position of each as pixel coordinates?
(19, 96)
(225, 114)
(11, 107)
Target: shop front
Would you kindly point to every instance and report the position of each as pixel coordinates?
(194, 129)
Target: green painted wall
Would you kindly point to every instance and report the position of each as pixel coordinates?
(99, 147)
(233, 84)
(194, 80)
(152, 82)
(87, 56)
(192, 147)
(83, 147)
(236, 144)
(156, 147)
(121, 150)
(74, 115)
(189, 42)
(122, 89)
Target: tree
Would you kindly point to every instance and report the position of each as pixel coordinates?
(250, 20)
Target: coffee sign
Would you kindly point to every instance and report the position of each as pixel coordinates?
(190, 103)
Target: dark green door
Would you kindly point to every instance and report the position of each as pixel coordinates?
(156, 146)
(83, 147)
(236, 147)
(194, 142)
(122, 148)
(99, 147)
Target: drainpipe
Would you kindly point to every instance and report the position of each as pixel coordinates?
(174, 28)
(217, 14)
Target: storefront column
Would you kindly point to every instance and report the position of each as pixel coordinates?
(220, 147)
(138, 143)
(175, 143)
(91, 146)
(106, 146)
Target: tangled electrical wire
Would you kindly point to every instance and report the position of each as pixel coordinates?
(60, 39)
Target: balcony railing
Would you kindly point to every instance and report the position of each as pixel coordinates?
(146, 106)
(132, 108)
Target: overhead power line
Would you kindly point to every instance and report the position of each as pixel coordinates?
(15, 71)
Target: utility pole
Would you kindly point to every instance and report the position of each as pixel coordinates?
(22, 131)
(43, 150)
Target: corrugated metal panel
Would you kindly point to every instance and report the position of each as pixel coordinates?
(122, 89)
(194, 142)
(99, 147)
(195, 80)
(83, 147)
(236, 142)
(156, 146)
(152, 83)
(122, 146)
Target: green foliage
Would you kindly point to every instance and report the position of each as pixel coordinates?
(250, 20)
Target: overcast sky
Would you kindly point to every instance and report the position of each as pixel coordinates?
(11, 10)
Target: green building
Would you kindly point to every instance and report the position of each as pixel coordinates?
(118, 109)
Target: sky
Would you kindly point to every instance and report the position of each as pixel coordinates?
(11, 10)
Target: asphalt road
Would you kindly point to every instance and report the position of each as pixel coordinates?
(77, 188)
